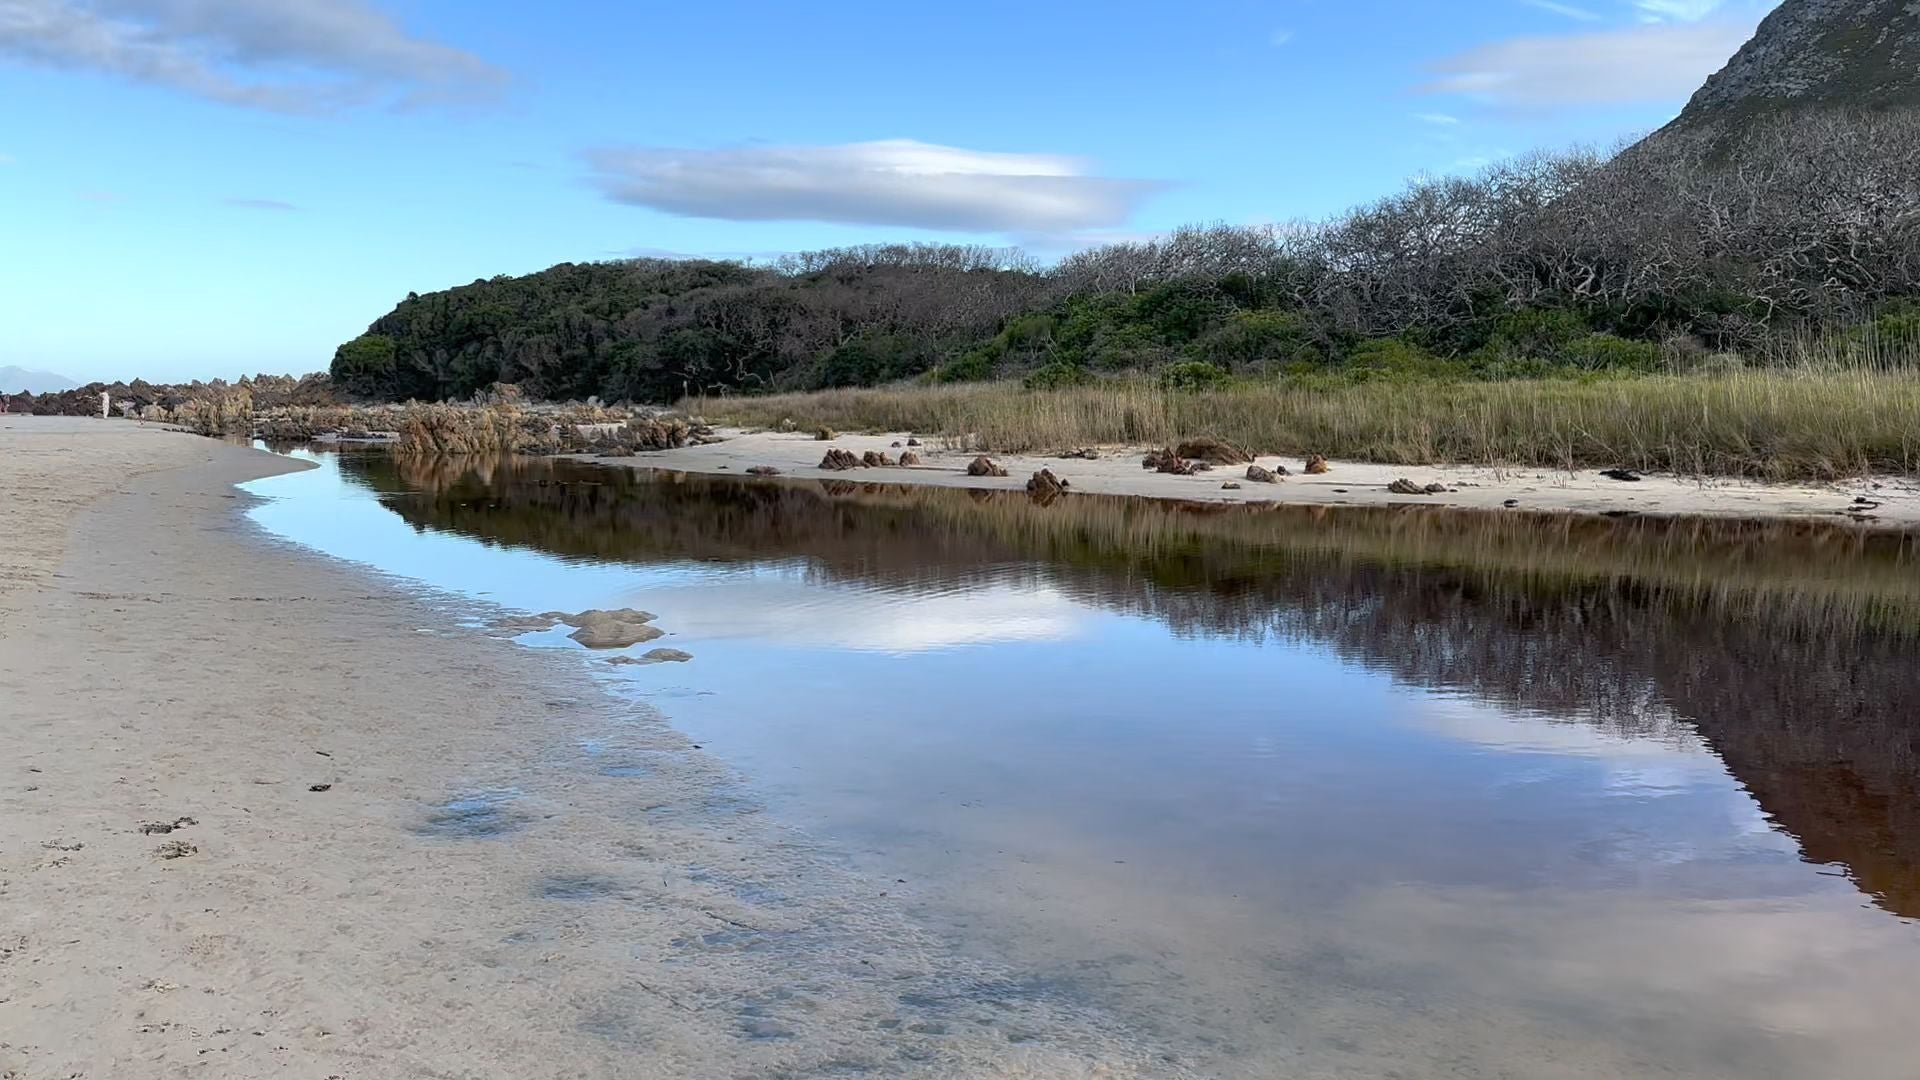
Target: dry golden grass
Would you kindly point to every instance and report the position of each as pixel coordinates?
(1776, 424)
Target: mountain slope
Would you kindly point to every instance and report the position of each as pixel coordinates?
(15, 380)
(1815, 54)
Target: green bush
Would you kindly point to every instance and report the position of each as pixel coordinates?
(1055, 376)
(1604, 352)
(1190, 375)
(975, 365)
(1398, 358)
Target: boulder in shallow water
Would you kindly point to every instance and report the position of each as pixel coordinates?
(985, 466)
(652, 656)
(598, 629)
(1045, 486)
(1261, 476)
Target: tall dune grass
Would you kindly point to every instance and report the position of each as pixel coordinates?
(1799, 424)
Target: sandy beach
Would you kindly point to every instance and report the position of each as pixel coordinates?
(1890, 502)
(266, 814)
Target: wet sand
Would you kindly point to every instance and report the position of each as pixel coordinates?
(400, 859)
(1117, 471)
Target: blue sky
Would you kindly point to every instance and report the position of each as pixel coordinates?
(210, 187)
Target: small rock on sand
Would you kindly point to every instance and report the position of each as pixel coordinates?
(985, 466)
(1230, 486)
(1404, 486)
(1316, 465)
(1261, 476)
(874, 459)
(763, 470)
(175, 849)
(909, 459)
(838, 460)
(825, 434)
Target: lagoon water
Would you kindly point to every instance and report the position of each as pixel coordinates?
(1292, 792)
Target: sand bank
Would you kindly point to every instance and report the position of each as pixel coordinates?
(378, 845)
(1895, 502)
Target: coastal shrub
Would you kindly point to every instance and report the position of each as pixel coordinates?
(1191, 375)
(1055, 376)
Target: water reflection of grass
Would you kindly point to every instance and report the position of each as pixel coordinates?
(1789, 646)
(1810, 574)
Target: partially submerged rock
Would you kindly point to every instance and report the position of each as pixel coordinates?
(1045, 487)
(1317, 465)
(599, 629)
(985, 466)
(1404, 486)
(1261, 476)
(526, 624)
(652, 656)
(838, 460)
(1212, 451)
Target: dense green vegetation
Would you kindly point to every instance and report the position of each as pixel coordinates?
(1675, 255)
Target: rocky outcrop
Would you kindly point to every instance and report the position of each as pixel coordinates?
(838, 460)
(874, 459)
(1815, 54)
(985, 466)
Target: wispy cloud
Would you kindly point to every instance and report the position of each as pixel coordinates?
(260, 204)
(1437, 119)
(1682, 10)
(1280, 37)
(890, 182)
(1654, 62)
(1568, 10)
(283, 55)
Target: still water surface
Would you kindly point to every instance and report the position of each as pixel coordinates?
(1297, 792)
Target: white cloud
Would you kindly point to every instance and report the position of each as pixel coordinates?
(1651, 63)
(891, 182)
(1436, 119)
(1280, 37)
(1568, 10)
(1683, 10)
(285, 55)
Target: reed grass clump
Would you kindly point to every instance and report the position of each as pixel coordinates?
(1808, 423)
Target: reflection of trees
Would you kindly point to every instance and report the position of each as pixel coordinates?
(1790, 647)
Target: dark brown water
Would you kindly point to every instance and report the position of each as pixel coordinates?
(1299, 792)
